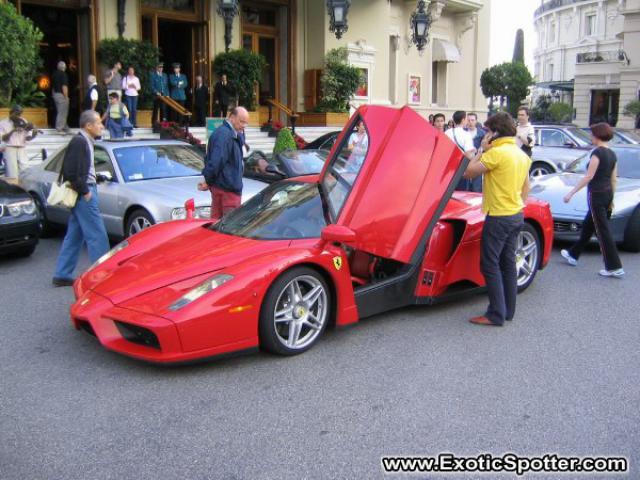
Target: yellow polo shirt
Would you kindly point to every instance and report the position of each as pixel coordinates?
(507, 169)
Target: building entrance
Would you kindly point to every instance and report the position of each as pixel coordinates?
(604, 106)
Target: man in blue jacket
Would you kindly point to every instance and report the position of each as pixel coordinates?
(223, 165)
(177, 88)
(159, 87)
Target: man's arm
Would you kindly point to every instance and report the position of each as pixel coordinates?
(475, 167)
(213, 162)
(526, 187)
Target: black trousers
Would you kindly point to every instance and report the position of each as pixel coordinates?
(158, 107)
(200, 115)
(597, 221)
(223, 110)
(175, 116)
(498, 264)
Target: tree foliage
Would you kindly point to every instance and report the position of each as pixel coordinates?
(143, 56)
(284, 141)
(560, 112)
(540, 111)
(243, 70)
(508, 81)
(339, 81)
(19, 54)
(518, 48)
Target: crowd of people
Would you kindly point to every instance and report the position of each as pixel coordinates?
(121, 117)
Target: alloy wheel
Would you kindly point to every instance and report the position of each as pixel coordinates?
(526, 257)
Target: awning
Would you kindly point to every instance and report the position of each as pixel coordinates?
(565, 86)
(444, 51)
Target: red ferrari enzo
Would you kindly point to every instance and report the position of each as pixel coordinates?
(378, 229)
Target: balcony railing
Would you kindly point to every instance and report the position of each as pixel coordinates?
(598, 57)
(552, 5)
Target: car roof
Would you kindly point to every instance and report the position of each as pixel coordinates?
(119, 143)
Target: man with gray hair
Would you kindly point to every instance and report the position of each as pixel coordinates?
(91, 98)
(60, 94)
(85, 222)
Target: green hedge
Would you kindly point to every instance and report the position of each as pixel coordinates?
(243, 70)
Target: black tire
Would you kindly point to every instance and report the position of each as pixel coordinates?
(26, 251)
(46, 229)
(527, 235)
(272, 333)
(137, 220)
(540, 168)
(632, 232)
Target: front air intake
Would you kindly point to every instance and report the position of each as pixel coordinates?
(139, 335)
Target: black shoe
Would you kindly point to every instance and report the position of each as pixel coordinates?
(62, 282)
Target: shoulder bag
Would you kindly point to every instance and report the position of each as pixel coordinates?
(62, 194)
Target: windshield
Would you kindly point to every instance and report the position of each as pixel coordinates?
(284, 210)
(345, 166)
(628, 163)
(301, 162)
(583, 138)
(150, 162)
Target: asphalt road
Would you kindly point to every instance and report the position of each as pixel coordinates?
(564, 377)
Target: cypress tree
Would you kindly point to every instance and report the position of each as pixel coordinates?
(518, 48)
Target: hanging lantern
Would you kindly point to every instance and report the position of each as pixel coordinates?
(338, 10)
(420, 23)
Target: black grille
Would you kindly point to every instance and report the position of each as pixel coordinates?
(566, 226)
(139, 335)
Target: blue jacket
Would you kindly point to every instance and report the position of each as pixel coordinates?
(177, 92)
(159, 83)
(223, 166)
(480, 133)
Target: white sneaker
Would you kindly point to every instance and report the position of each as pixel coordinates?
(612, 273)
(567, 256)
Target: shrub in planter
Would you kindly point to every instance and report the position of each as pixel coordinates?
(244, 70)
(28, 95)
(143, 56)
(300, 142)
(285, 141)
(339, 82)
(20, 52)
(560, 112)
(632, 109)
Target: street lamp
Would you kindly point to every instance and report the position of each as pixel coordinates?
(420, 23)
(227, 9)
(338, 10)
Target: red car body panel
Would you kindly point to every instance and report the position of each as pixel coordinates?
(409, 168)
(138, 284)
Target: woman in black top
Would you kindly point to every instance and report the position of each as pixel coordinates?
(600, 181)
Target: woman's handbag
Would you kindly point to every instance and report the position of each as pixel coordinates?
(62, 194)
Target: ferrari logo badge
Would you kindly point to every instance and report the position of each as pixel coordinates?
(337, 262)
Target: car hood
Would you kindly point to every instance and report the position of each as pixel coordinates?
(553, 188)
(12, 192)
(173, 192)
(189, 255)
(557, 155)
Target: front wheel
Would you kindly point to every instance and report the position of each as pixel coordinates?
(295, 312)
(528, 253)
(137, 221)
(45, 228)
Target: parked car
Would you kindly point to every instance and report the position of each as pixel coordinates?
(621, 136)
(19, 227)
(360, 238)
(140, 183)
(269, 168)
(568, 217)
(556, 146)
(324, 142)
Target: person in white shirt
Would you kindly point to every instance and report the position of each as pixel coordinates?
(15, 132)
(358, 146)
(464, 141)
(131, 87)
(525, 133)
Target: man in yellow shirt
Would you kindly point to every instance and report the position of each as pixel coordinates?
(505, 188)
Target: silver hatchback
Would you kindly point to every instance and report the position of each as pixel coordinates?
(140, 183)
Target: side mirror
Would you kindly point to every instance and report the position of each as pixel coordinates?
(562, 166)
(569, 144)
(190, 208)
(272, 169)
(104, 177)
(338, 233)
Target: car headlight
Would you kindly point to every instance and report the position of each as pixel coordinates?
(181, 213)
(205, 287)
(121, 246)
(27, 207)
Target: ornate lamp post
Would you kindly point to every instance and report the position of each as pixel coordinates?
(420, 23)
(227, 9)
(338, 10)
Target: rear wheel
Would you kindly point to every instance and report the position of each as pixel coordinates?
(137, 221)
(528, 253)
(632, 232)
(539, 168)
(295, 312)
(26, 251)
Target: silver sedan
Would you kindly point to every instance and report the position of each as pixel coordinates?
(140, 183)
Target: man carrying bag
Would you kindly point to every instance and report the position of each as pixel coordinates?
(85, 223)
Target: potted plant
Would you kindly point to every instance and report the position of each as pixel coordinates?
(284, 142)
(143, 56)
(244, 71)
(173, 131)
(19, 61)
(339, 82)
